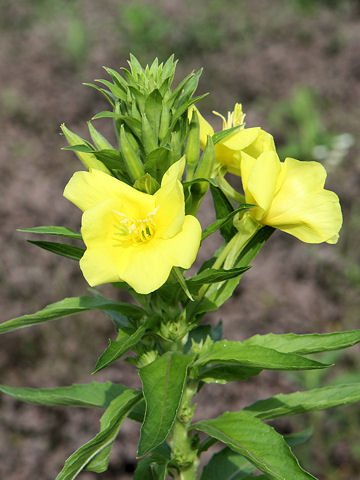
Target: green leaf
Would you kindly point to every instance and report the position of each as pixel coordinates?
(110, 426)
(151, 468)
(218, 136)
(70, 306)
(157, 162)
(223, 209)
(68, 251)
(213, 227)
(301, 402)
(294, 439)
(227, 373)
(52, 230)
(227, 465)
(177, 273)
(153, 107)
(308, 343)
(163, 384)
(211, 275)
(118, 348)
(94, 394)
(257, 442)
(248, 253)
(255, 356)
(103, 91)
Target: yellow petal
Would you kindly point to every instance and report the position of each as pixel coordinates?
(297, 180)
(98, 224)
(86, 189)
(263, 142)
(174, 172)
(183, 247)
(230, 158)
(149, 265)
(317, 218)
(101, 265)
(170, 205)
(241, 139)
(262, 181)
(169, 201)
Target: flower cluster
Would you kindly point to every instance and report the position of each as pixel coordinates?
(135, 225)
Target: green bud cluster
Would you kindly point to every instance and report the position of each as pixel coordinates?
(150, 121)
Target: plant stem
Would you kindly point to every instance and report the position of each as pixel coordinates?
(181, 442)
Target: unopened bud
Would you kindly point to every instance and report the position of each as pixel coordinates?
(133, 163)
(88, 159)
(100, 141)
(192, 151)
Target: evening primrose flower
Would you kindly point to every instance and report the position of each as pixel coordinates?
(290, 195)
(132, 236)
(231, 149)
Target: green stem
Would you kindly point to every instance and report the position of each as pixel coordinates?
(181, 442)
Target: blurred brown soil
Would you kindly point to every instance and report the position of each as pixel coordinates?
(292, 287)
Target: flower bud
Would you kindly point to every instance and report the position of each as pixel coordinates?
(133, 163)
(88, 159)
(192, 151)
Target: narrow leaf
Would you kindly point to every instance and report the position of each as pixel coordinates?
(223, 209)
(213, 227)
(224, 133)
(227, 373)
(181, 280)
(257, 442)
(70, 306)
(211, 275)
(110, 425)
(94, 394)
(163, 384)
(246, 256)
(308, 343)
(301, 402)
(255, 356)
(52, 230)
(68, 251)
(118, 348)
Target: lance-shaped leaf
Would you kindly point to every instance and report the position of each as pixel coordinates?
(227, 373)
(211, 275)
(257, 442)
(116, 349)
(69, 251)
(163, 384)
(255, 356)
(52, 230)
(223, 208)
(70, 306)
(246, 256)
(304, 344)
(227, 465)
(224, 133)
(213, 227)
(110, 426)
(94, 394)
(301, 402)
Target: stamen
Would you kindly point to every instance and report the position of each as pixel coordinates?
(135, 231)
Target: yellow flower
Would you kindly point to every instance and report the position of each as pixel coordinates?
(230, 150)
(132, 236)
(290, 195)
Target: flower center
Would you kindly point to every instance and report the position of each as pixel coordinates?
(134, 231)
